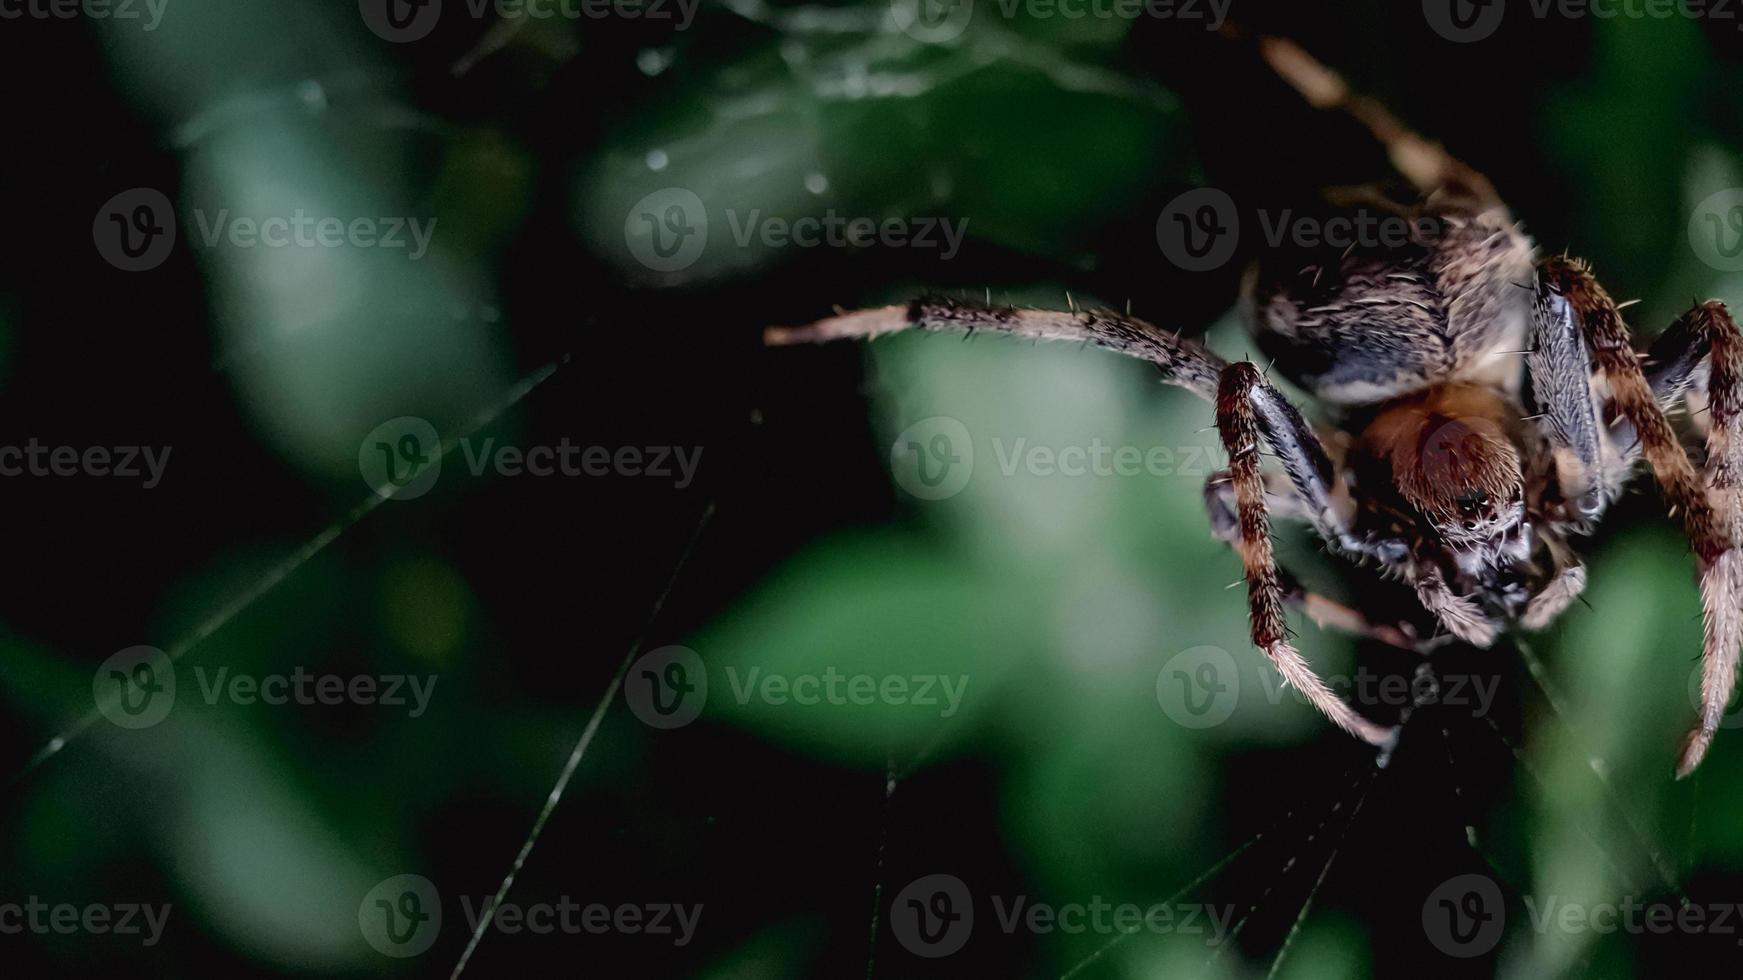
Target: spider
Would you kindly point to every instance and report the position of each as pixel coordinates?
(1438, 473)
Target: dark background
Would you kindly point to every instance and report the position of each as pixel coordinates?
(1060, 142)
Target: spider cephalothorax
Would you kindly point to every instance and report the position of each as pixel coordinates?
(1449, 473)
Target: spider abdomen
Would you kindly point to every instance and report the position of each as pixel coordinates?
(1373, 321)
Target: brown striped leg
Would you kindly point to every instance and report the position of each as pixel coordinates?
(1240, 426)
(1285, 503)
(1710, 510)
(1425, 164)
(1722, 582)
(1182, 362)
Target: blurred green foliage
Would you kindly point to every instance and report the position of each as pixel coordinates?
(1058, 599)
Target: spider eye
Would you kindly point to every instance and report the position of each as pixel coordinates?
(1470, 525)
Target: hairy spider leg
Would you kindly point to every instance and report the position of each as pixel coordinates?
(1711, 510)
(1248, 409)
(1285, 503)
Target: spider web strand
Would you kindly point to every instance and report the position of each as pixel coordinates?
(1193, 885)
(1660, 866)
(1318, 883)
(871, 952)
(581, 745)
(1289, 866)
(284, 569)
